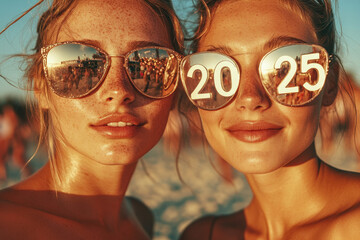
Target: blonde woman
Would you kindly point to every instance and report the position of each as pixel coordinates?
(95, 134)
(281, 59)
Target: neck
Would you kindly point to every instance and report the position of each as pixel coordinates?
(92, 178)
(288, 196)
(83, 189)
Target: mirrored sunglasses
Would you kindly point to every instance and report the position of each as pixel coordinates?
(292, 75)
(74, 70)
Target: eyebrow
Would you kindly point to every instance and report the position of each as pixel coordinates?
(281, 40)
(89, 41)
(221, 48)
(131, 45)
(271, 44)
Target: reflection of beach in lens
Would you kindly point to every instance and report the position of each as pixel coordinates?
(155, 75)
(209, 61)
(77, 76)
(226, 79)
(75, 81)
(273, 78)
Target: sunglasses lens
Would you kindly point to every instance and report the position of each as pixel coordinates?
(74, 70)
(210, 79)
(153, 71)
(294, 75)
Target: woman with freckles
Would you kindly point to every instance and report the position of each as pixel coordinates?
(281, 58)
(95, 132)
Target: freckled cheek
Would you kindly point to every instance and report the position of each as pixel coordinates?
(70, 115)
(158, 111)
(71, 119)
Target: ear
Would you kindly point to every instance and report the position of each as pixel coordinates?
(331, 87)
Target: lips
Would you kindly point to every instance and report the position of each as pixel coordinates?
(253, 132)
(118, 125)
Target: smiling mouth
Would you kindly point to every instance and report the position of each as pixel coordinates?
(120, 124)
(254, 136)
(254, 132)
(118, 130)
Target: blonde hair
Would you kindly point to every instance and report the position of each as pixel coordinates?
(48, 27)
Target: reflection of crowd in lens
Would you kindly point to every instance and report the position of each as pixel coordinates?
(171, 72)
(156, 73)
(303, 95)
(152, 71)
(76, 76)
(209, 86)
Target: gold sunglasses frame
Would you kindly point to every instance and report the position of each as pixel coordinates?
(45, 50)
(329, 60)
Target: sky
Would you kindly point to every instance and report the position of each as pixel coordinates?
(17, 37)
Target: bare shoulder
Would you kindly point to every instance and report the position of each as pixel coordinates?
(348, 222)
(8, 206)
(7, 209)
(20, 216)
(14, 222)
(340, 225)
(344, 220)
(143, 214)
(227, 226)
(199, 229)
(353, 214)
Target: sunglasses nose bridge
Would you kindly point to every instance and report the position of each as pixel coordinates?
(116, 85)
(251, 93)
(118, 57)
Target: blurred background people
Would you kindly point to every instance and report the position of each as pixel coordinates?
(15, 132)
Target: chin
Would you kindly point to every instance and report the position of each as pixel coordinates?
(254, 163)
(125, 155)
(120, 155)
(120, 160)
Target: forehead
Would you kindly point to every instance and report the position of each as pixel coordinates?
(114, 22)
(251, 24)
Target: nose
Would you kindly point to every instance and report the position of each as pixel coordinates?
(117, 86)
(251, 95)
